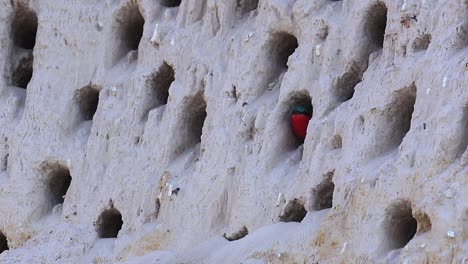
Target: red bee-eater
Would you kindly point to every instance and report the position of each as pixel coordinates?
(300, 117)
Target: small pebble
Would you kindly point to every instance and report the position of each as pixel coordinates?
(114, 90)
(451, 234)
(99, 26)
(318, 50)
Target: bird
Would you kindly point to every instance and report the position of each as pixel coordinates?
(301, 114)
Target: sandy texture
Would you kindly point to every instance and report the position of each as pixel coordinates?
(184, 135)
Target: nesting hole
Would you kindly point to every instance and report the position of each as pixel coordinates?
(400, 225)
(130, 29)
(246, 6)
(171, 3)
(296, 99)
(159, 84)
(87, 99)
(23, 31)
(237, 235)
(109, 223)
(344, 85)
(422, 42)
(322, 194)
(283, 45)
(376, 22)
(24, 27)
(400, 113)
(3, 243)
(58, 182)
(23, 72)
(277, 51)
(294, 211)
(193, 121)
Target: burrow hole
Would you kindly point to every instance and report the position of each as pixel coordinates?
(171, 3)
(24, 27)
(376, 22)
(109, 223)
(294, 211)
(159, 84)
(88, 100)
(322, 194)
(246, 6)
(58, 182)
(23, 71)
(422, 42)
(3, 242)
(344, 86)
(283, 45)
(23, 31)
(399, 115)
(401, 226)
(194, 116)
(280, 47)
(130, 29)
(237, 235)
(299, 111)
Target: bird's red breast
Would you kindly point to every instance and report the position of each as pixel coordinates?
(299, 124)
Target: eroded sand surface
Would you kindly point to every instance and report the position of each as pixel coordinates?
(168, 122)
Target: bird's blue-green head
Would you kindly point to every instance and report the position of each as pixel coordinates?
(302, 109)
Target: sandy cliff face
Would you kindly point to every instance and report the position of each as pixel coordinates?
(158, 131)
